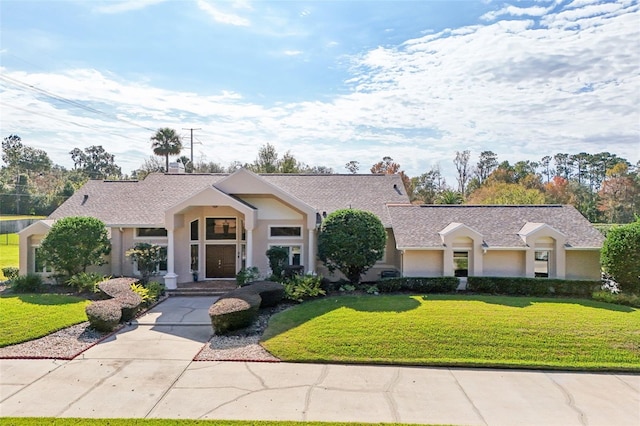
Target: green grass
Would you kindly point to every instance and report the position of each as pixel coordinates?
(20, 216)
(37, 421)
(29, 316)
(8, 252)
(459, 331)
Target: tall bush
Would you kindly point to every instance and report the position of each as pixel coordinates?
(621, 256)
(351, 241)
(278, 260)
(74, 243)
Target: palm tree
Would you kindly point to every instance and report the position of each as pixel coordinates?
(166, 142)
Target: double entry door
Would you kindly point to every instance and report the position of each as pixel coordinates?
(220, 261)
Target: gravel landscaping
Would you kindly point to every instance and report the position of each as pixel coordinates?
(242, 345)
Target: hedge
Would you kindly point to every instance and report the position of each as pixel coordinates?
(418, 284)
(521, 286)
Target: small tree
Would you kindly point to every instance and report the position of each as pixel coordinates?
(75, 242)
(621, 256)
(148, 257)
(351, 241)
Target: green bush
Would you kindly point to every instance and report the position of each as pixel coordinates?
(155, 290)
(621, 256)
(30, 283)
(11, 272)
(104, 315)
(617, 298)
(148, 258)
(301, 287)
(524, 286)
(351, 241)
(232, 313)
(418, 284)
(85, 281)
(247, 275)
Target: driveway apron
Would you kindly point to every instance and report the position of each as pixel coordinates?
(175, 329)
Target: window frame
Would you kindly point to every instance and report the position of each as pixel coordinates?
(158, 271)
(285, 237)
(137, 235)
(235, 234)
(289, 246)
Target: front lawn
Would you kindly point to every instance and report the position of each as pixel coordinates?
(29, 316)
(8, 252)
(459, 331)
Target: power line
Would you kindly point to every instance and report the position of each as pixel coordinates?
(59, 98)
(191, 142)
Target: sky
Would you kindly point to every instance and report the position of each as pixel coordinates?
(328, 81)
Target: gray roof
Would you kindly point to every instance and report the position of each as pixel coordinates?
(419, 226)
(142, 203)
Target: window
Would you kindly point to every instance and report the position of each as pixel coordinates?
(195, 230)
(151, 232)
(285, 231)
(461, 263)
(295, 254)
(195, 256)
(39, 265)
(542, 263)
(220, 228)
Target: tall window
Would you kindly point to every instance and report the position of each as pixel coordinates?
(195, 230)
(39, 265)
(542, 263)
(195, 257)
(220, 228)
(461, 263)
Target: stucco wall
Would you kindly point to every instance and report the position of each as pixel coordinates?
(583, 265)
(422, 263)
(504, 263)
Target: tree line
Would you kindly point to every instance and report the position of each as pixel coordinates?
(603, 186)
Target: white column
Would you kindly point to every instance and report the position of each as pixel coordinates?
(249, 261)
(447, 262)
(311, 259)
(530, 262)
(171, 279)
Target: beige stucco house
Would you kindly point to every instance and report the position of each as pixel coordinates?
(215, 224)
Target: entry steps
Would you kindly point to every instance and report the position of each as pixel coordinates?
(204, 288)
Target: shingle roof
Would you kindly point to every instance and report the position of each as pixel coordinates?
(144, 202)
(418, 226)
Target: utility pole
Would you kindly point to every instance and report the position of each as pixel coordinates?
(191, 130)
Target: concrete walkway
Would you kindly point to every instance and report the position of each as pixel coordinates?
(146, 370)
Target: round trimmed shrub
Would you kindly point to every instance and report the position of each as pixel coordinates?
(621, 256)
(233, 313)
(104, 315)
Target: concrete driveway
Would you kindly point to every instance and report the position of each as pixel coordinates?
(146, 371)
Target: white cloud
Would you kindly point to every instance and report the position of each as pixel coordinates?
(519, 89)
(292, 52)
(515, 11)
(222, 17)
(125, 6)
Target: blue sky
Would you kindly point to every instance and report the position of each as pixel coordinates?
(329, 81)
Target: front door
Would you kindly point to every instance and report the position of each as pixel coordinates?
(221, 261)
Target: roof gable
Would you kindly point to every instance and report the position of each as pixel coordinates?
(499, 226)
